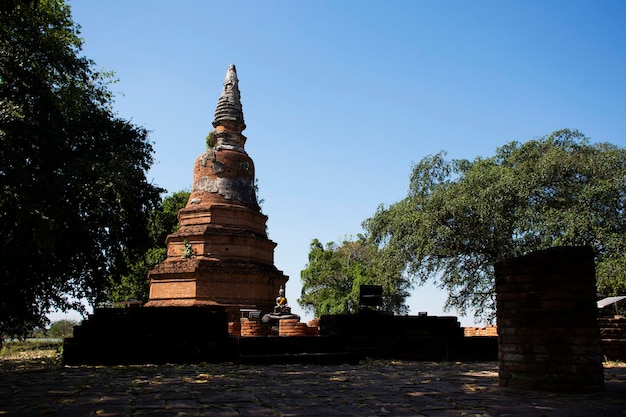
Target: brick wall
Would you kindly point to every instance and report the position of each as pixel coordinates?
(382, 336)
(490, 330)
(234, 328)
(612, 333)
(151, 335)
(203, 334)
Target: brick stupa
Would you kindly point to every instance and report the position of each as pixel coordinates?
(221, 254)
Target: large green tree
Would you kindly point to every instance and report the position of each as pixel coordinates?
(460, 217)
(74, 198)
(62, 328)
(334, 274)
(162, 221)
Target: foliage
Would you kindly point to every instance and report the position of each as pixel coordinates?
(162, 221)
(211, 139)
(38, 333)
(460, 217)
(62, 328)
(332, 278)
(188, 251)
(74, 197)
(164, 218)
(259, 201)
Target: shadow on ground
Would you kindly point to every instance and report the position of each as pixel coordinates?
(36, 386)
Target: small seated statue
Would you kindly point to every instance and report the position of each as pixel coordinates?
(281, 306)
(281, 310)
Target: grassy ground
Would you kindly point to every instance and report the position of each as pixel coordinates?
(30, 353)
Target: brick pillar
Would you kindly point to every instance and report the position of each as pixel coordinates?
(293, 327)
(549, 337)
(250, 328)
(234, 328)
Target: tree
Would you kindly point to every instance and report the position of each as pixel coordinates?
(461, 217)
(162, 221)
(332, 278)
(74, 198)
(62, 328)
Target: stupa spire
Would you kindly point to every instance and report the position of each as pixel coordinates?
(221, 253)
(229, 112)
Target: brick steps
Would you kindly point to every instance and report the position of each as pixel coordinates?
(613, 331)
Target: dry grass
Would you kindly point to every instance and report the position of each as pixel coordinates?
(31, 353)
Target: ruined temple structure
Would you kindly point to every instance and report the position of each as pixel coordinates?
(210, 297)
(221, 254)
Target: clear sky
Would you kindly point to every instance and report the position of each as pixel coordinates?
(341, 97)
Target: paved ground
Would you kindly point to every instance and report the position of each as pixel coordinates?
(380, 388)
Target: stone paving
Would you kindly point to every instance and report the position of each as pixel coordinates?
(373, 388)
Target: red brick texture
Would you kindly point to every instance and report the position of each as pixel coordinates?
(250, 328)
(293, 327)
(548, 331)
(221, 254)
(480, 331)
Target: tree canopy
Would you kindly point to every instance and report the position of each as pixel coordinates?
(162, 221)
(74, 198)
(460, 217)
(62, 328)
(334, 274)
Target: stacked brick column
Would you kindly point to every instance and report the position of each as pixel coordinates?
(251, 328)
(549, 337)
(293, 327)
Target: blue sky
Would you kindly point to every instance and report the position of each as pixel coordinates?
(342, 97)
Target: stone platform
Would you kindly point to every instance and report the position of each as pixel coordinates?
(142, 335)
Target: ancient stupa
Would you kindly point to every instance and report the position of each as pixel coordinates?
(221, 254)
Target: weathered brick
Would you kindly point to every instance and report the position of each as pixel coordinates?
(221, 253)
(549, 337)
